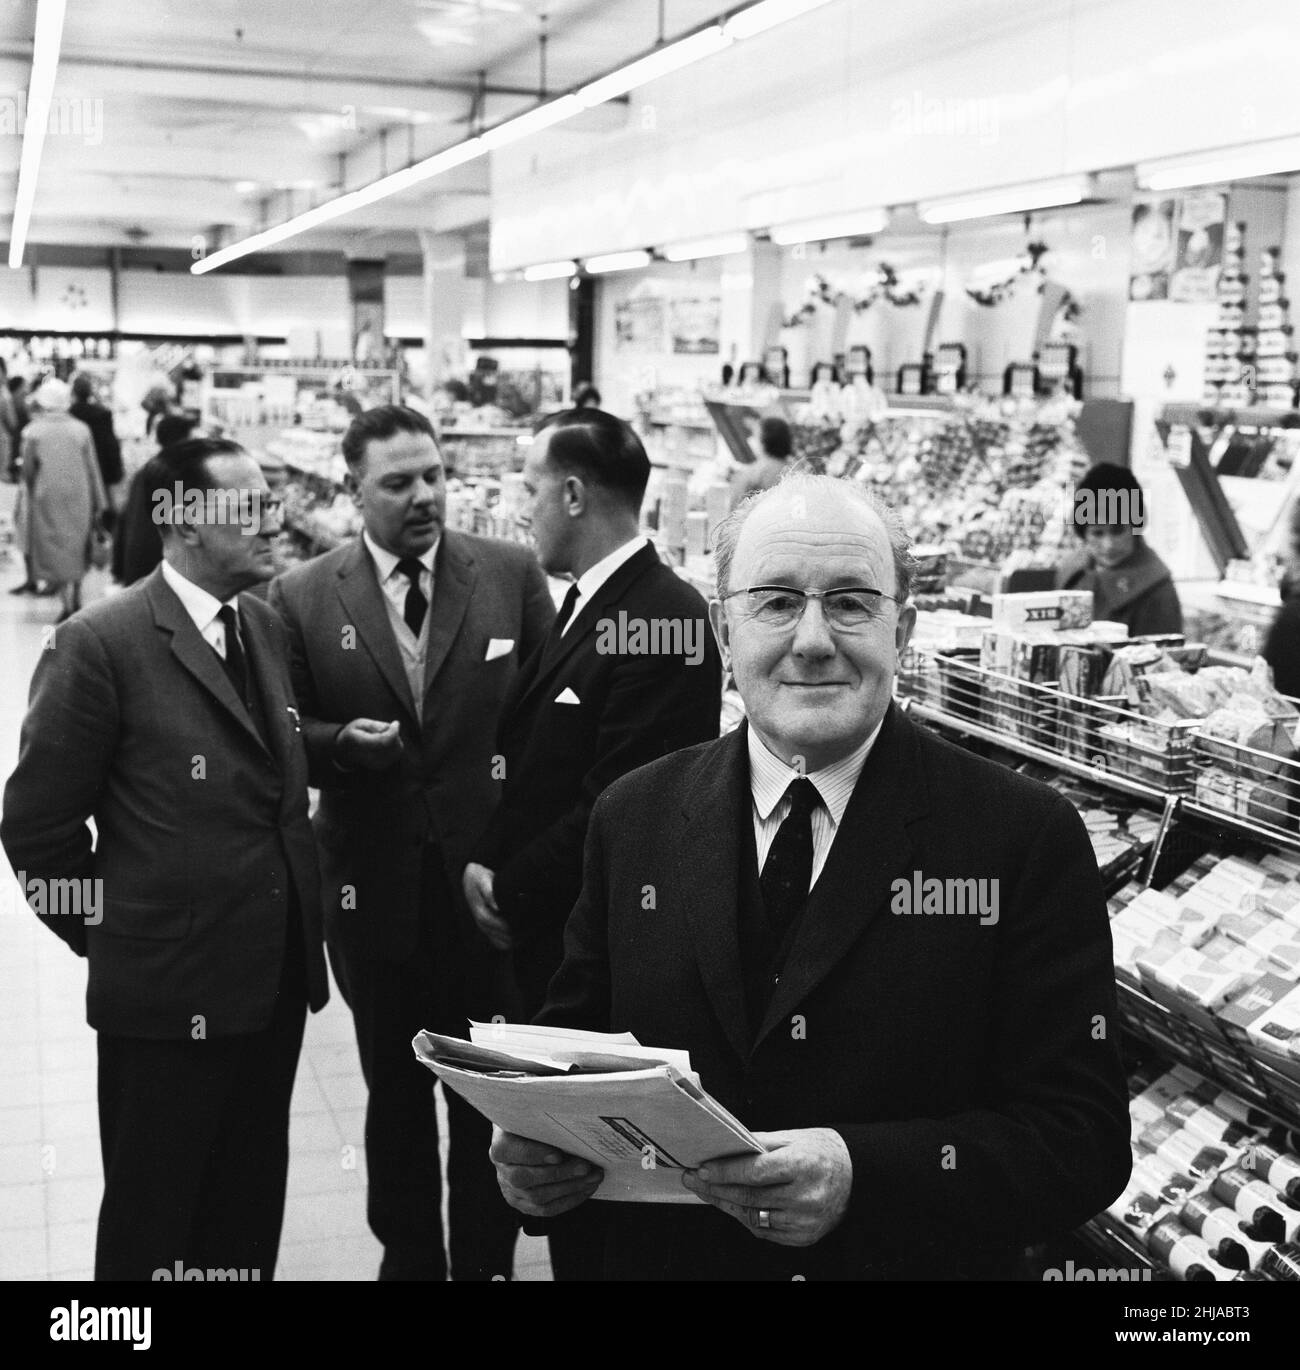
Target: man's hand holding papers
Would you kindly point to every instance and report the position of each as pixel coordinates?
(801, 1183)
(540, 1180)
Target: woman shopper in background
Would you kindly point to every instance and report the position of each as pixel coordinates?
(776, 448)
(65, 497)
(1129, 582)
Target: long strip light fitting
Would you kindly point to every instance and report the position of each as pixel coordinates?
(1226, 164)
(1066, 190)
(40, 93)
(744, 23)
(858, 224)
(723, 245)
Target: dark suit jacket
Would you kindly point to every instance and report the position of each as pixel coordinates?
(907, 1034)
(373, 826)
(560, 756)
(202, 832)
(108, 451)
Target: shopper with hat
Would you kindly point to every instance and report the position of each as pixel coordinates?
(1129, 582)
(65, 499)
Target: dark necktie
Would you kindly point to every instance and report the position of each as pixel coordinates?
(565, 614)
(566, 609)
(236, 667)
(787, 872)
(416, 605)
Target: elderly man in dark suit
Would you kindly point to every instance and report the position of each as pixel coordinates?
(165, 714)
(936, 1081)
(405, 643)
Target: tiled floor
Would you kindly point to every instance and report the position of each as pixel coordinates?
(50, 1172)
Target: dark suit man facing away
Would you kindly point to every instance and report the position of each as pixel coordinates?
(405, 643)
(165, 714)
(630, 672)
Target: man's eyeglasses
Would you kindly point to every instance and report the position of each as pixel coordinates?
(780, 606)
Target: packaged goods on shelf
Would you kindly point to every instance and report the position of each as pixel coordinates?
(1264, 1209)
(1058, 609)
(1209, 1196)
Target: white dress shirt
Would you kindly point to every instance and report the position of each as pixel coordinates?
(395, 585)
(770, 777)
(590, 581)
(202, 607)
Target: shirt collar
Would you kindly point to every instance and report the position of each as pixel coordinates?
(201, 606)
(386, 562)
(595, 576)
(770, 777)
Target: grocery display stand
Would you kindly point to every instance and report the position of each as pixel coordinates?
(1160, 764)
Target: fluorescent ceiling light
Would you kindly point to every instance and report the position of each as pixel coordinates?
(860, 223)
(40, 90)
(1068, 190)
(550, 271)
(617, 261)
(544, 116)
(1227, 164)
(765, 15)
(670, 57)
(721, 246)
(345, 204)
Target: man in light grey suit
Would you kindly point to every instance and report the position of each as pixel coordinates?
(404, 645)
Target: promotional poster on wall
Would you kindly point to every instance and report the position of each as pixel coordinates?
(1200, 247)
(1154, 248)
(697, 324)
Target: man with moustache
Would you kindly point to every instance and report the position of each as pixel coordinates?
(934, 1093)
(165, 714)
(405, 642)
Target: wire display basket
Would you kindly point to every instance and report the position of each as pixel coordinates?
(1258, 788)
(1090, 734)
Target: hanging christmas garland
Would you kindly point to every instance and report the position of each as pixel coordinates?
(885, 286)
(1069, 309)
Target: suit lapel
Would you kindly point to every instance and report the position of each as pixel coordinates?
(364, 602)
(194, 654)
(553, 654)
(871, 847)
(260, 654)
(708, 851)
(452, 587)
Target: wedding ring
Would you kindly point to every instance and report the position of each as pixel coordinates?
(765, 1218)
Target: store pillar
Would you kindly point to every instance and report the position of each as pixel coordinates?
(366, 292)
(445, 306)
(582, 331)
(751, 303)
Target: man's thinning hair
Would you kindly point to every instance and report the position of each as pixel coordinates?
(174, 471)
(601, 450)
(378, 425)
(727, 533)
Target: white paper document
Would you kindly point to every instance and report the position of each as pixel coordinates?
(642, 1125)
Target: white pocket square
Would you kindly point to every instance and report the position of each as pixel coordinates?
(499, 646)
(566, 696)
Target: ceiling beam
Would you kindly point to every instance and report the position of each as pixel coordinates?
(170, 78)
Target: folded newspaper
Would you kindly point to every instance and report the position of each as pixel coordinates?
(638, 1112)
